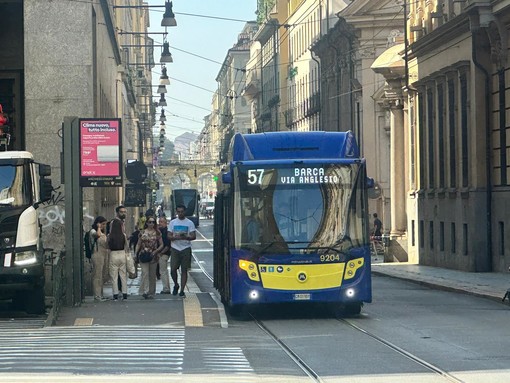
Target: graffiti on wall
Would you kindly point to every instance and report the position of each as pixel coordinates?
(52, 216)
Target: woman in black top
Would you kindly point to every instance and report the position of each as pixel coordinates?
(119, 249)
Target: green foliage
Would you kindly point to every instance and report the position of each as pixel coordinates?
(263, 9)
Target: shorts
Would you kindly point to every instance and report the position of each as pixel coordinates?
(180, 258)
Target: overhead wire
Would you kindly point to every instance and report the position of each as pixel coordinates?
(283, 37)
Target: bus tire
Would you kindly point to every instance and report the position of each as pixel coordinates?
(353, 309)
(236, 311)
(347, 310)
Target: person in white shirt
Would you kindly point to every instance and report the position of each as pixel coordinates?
(181, 232)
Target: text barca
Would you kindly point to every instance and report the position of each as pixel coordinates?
(309, 176)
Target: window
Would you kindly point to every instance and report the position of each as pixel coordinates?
(452, 124)
(422, 234)
(430, 141)
(431, 235)
(465, 239)
(464, 128)
(441, 236)
(501, 226)
(440, 133)
(453, 236)
(503, 127)
(421, 146)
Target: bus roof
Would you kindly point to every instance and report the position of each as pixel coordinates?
(294, 145)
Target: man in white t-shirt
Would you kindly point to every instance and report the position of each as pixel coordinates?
(181, 232)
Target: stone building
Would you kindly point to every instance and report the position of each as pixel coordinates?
(454, 133)
(233, 111)
(68, 58)
(351, 93)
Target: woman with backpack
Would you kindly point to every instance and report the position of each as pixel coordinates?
(97, 242)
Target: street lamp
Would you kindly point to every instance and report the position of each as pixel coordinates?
(162, 100)
(168, 17)
(166, 56)
(163, 79)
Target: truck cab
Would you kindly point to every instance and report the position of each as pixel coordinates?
(23, 187)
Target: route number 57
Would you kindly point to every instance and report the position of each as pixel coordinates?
(255, 176)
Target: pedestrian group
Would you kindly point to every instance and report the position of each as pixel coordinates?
(154, 244)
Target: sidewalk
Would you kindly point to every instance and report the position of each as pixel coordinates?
(197, 309)
(486, 285)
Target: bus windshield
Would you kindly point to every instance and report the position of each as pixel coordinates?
(15, 191)
(289, 208)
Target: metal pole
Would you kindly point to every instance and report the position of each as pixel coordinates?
(73, 212)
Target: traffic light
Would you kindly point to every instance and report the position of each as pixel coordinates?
(215, 178)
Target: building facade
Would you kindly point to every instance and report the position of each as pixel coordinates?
(233, 110)
(51, 68)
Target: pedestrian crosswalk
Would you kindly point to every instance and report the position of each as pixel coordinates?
(229, 359)
(21, 323)
(93, 350)
(107, 350)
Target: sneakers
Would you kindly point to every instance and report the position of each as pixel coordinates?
(99, 299)
(181, 294)
(115, 297)
(124, 296)
(146, 296)
(176, 290)
(164, 292)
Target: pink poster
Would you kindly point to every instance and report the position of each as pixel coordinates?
(100, 151)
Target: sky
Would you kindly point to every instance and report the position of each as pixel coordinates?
(192, 78)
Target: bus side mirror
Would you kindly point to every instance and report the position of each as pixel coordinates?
(226, 178)
(45, 189)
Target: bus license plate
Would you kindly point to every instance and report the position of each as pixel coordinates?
(302, 297)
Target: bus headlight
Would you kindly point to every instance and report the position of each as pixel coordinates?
(254, 294)
(350, 293)
(25, 258)
(250, 268)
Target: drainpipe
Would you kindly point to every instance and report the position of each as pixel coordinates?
(319, 86)
(474, 30)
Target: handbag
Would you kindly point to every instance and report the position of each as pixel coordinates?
(130, 266)
(145, 257)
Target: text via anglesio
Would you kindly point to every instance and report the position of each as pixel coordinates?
(309, 176)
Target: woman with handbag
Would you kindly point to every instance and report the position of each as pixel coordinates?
(148, 246)
(119, 253)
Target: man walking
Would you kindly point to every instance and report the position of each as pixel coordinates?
(164, 255)
(182, 232)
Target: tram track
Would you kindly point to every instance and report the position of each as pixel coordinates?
(292, 355)
(314, 375)
(449, 377)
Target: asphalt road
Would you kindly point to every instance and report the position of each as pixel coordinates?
(409, 333)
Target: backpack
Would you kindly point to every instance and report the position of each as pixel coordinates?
(88, 244)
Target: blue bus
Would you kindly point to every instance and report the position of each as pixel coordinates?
(291, 222)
